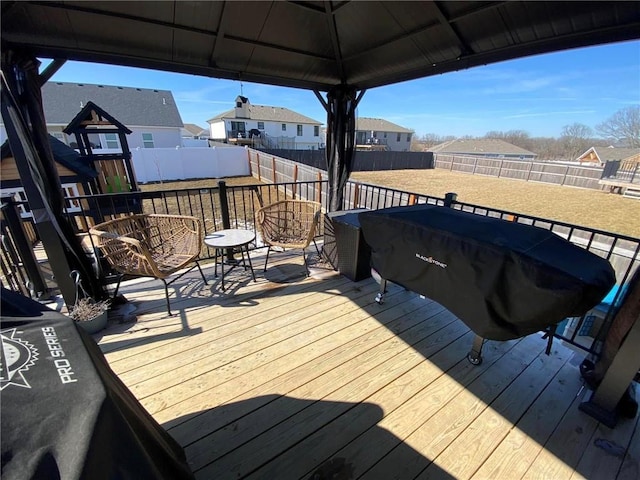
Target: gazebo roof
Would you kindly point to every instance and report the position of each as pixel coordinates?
(312, 44)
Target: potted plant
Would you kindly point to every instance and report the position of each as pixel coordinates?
(90, 314)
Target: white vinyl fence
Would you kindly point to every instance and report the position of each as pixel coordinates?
(166, 164)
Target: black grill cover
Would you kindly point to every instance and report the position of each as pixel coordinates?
(503, 279)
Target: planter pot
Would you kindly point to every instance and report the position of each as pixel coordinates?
(95, 324)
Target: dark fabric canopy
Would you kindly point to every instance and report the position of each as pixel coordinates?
(312, 44)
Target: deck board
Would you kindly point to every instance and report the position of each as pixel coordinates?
(290, 376)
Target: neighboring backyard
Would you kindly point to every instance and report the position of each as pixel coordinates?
(585, 207)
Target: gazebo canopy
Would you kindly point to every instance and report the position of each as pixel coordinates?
(312, 44)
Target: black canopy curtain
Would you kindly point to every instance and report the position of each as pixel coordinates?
(24, 120)
(341, 105)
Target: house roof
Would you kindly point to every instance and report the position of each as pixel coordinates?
(195, 130)
(482, 146)
(266, 113)
(64, 155)
(131, 106)
(379, 125)
(92, 114)
(310, 44)
(612, 153)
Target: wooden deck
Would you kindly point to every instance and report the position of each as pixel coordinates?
(288, 376)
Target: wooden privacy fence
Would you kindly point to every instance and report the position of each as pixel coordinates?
(273, 169)
(555, 173)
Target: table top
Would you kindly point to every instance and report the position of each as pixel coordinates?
(231, 237)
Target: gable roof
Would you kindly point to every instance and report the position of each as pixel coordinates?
(195, 130)
(92, 113)
(379, 125)
(62, 154)
(266, 113)
(606, 154)
(132, 106)
(481, 146)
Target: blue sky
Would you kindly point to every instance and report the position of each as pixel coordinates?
(538, 94)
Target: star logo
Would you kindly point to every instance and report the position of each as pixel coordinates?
(16, 357)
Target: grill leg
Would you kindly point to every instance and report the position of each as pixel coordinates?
(382, 291)
(475, 355)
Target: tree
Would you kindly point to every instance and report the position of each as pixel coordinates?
(623, 127)
(519, 138)
(575, 139)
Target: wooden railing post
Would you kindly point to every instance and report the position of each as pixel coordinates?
(273, 168)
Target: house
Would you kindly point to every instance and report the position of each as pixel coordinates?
(75, 175)
(602, 155)
(193, 131)
(152, 115)
(265, 126)
(379, 134)
(483, 147)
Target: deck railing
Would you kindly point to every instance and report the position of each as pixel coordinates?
(222, 206)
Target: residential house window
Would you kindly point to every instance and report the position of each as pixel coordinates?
(398, 137)
(111, 140)
(408, 137)
(147, 140)
(299, 130)
(284, 127)
(260, 125)
(316, 131)
(385, 134)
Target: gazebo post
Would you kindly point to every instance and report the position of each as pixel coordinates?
(24, 120)
(340, 106)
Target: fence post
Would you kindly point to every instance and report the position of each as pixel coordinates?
(450, 198)
(258, 166)
(500, 167)
(566, 172)
(273, 167)
(25, 250)
(635, 170)
(529, 172)
(249, 159)
(295, 180)
(475, 164)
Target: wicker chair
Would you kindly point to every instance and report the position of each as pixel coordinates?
(289, 224)
(150, 245)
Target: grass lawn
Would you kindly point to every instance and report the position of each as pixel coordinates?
(579, 206)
